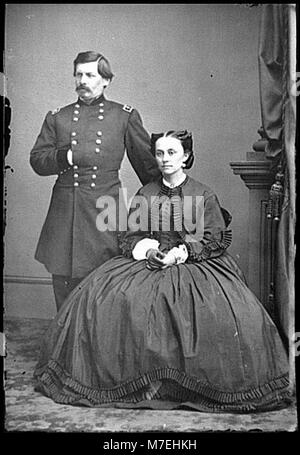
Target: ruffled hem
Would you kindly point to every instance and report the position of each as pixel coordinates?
(56, 383)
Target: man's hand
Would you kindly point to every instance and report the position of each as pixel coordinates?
(155, 259)
(70, 157)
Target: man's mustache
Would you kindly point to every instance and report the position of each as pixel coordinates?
(82, 87)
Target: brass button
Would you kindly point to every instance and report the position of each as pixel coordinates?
(94, 176)
(73, 133)
(95, 168)
(100, 110)
(100, 117)
(76, 112)
(76, 184)
(98, 141)
(101, 104)
(75, 119)
(76, 176)
(75, 167)
(99, 133)
(93, 184)
(77, 105)
(97, 150)
(74, 142)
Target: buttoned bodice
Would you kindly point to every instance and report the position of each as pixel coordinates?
(168, 216)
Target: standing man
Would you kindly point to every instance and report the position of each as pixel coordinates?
(84, 144)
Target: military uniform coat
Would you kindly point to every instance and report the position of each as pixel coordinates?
(70, 243)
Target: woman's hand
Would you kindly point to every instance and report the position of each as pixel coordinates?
(177, 255)
(155, 259)
(169, 259)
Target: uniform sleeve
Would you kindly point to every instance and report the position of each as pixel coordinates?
(216, 238)
(45, 158)
(137, 142)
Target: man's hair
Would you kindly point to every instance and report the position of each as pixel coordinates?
(90, 56)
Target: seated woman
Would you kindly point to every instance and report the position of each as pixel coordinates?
(171, 323)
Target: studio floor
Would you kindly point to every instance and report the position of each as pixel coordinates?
(29, 411)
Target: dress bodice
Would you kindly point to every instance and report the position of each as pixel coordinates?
(166, 215)
(167, 240)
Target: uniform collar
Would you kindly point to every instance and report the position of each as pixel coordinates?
(97, 100)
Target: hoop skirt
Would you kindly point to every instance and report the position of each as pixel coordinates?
(192, 335)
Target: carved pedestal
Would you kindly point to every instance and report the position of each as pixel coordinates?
(257, 176)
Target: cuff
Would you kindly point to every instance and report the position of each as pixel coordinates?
(62, 160)
(141, 248)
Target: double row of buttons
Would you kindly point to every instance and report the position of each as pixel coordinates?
(98, 141)
(99, 133)
(76, 175)
(75, 142)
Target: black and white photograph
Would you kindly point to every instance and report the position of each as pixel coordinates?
(149, 221)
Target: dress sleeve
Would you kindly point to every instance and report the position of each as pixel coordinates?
(216, 238)
(137, 142)
(45, 159)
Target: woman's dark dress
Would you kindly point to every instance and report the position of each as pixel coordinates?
(192, 335)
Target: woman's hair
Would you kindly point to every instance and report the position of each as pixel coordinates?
(184, 137)
(90, 56)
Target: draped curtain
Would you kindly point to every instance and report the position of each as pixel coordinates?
(277, 78)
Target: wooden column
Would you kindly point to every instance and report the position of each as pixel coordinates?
(257, 175)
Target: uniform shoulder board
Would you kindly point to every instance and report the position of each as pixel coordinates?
(127, 108)
(56, 111)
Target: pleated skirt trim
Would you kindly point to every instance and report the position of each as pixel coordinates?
(56, 383)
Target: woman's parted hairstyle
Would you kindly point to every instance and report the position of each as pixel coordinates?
(104, 68)
(184, 137)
